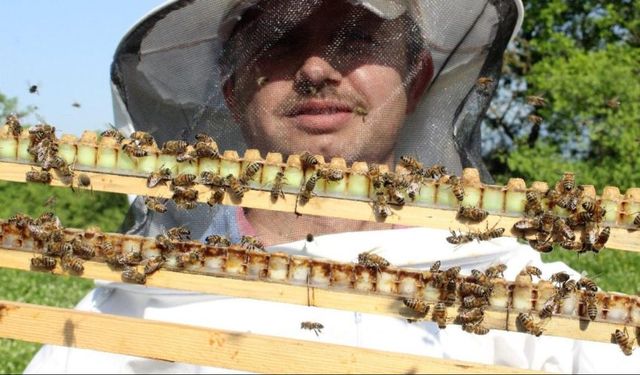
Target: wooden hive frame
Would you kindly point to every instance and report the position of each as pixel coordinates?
(435, 207)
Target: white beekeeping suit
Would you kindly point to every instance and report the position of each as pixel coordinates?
(206, 66)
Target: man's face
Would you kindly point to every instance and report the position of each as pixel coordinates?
(336, 85)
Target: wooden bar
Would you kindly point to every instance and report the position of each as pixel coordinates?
(211, 347)
(386, 305)
(409, 215)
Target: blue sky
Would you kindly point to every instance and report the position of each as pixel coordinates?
(65, 47)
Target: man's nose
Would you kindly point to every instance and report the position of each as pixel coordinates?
(316, 71)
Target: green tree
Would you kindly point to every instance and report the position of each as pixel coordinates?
(583, 58)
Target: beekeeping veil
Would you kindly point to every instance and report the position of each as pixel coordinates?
(169, 74)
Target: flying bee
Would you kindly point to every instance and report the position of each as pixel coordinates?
(153, 264)
(217, 240)
(456, 187)
(476, 328)
(613, 103)
(536, 101)
(602, 239)
(42, 177)
(542, 246)
(330, 174)
(590, 302)
(412, 164)
(440, 315)
(535, 119)
(43, 262)
(71, 263)
(623, 341)
(307, 191)
(174, 147)
(236, 187)
(216, 197)
(181, 233)
(435, 267)
(154, 204)
(587, 284)
(467, 288)
(249, 172)
(533, 205)
(252, 243)
(312, 326)
(278, 183)
(131, 275)
(560, 277)
(155, 178)
(416, 304)
(113, 133)
(381, 207)
(361, 111)
(372, 261)
(82, 249)
(142, 138)
(33, 89)
(14, 125)
(532, 271)
(472, 213)
(529, 324)
(84, 180)
(471, 301)
(571, 245)
(134, 150)
(308, 160)
(183, 179)
(459, 239)
(494, 271)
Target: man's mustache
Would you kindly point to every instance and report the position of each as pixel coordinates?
(328, 93)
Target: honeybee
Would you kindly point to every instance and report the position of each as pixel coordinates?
(475, 314)
(181, 233)
(416, 304)
(590, 302)
(330, 174)
(636, 220)
(456, 187)
(412, 164)
(375, 176)
(134, 150)
(309, 237)
(440, 315)
(142, 138)
(533, 205)
(458, 239)
(185, 198)
(82, 248)
(396, 195)
(252, 243)
(42, 177)
(589, 238)
(154, 204)
(435, 267)
(155, 178)
(484, 83)
(209, 178)
(560, 277)
(183, 179)
(535, 119)
(563, 229)
(413, 189)
(71, 263)
(131, 275)
(472, 213)
(14, 125)
(217, 240)
(249, 172)
(543, 246)
(568, 201)
(43, 262)
(278, 183)
(261, 81)
(192, 257)
(479, 277)
(360, 111)
(595, 209)
(216, 197)
(307, 191)
(613, 103)
(494, 271)
(568, 182)
(536, 101)
(549, 308)
(308, 160)
(436, 171)
(21, 221)
(84, 180)
(571, 245)
(489, 233)
(113, 133)
(236, 187)
(312, 326)
(471, 301)
(165, 243)
(33, 89)
(528, 323)
(568, 286)
(587, 284)
(602, 239)
(153, 264)
(381, 207)
(467, 288)
(206, 149)
(532, 271)
(372, 261)
(623, 341)
(450, 292)
(476, 328)
(174, 147)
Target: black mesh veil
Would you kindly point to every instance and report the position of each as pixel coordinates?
(170, 73)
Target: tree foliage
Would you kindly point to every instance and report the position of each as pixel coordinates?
(583, 58)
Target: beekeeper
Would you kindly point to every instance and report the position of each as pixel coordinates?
(365, 80)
